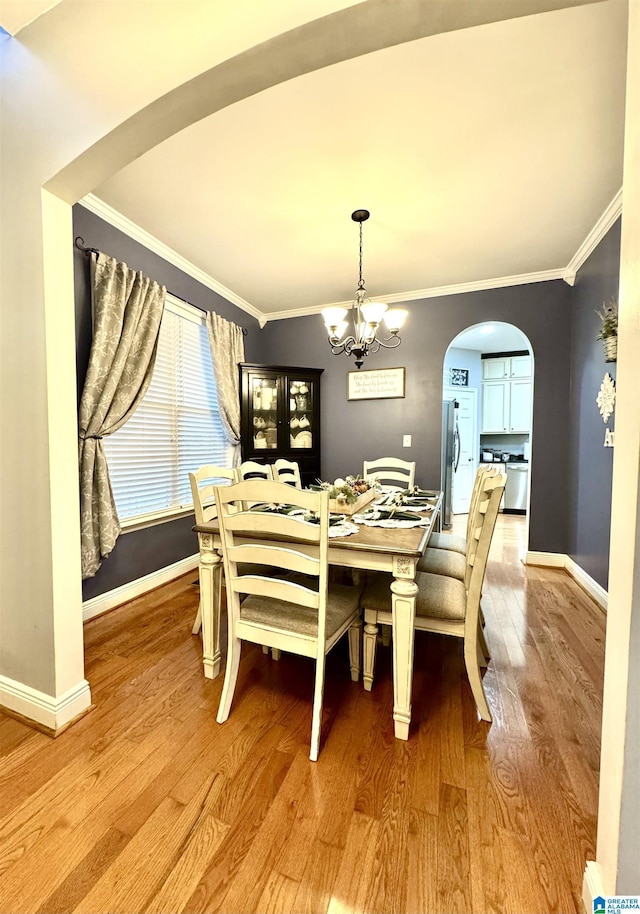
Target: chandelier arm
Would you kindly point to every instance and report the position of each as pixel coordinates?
(340, 346)
(391, 342)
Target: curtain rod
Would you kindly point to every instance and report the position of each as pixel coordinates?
(79, 243)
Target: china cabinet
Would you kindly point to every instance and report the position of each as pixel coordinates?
(280, 416)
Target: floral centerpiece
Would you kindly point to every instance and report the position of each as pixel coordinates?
(608, 315)
(349, 495)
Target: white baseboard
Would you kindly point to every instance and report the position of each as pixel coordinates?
(546, 559)
(44, 709)
(126, 592)
(592, 886)
(580, 576)
(595, 590)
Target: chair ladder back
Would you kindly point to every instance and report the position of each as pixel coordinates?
(287, 471)
(487, 508)
(393, 469)
(203, 483)
(482, 473)
(251, 469)
(245, 539)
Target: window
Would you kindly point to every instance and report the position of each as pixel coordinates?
(175, 429)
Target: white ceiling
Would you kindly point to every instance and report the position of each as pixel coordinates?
(16, 14)
(492, 336)
(482, 154)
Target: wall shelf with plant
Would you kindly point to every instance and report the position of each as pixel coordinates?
(608, 315)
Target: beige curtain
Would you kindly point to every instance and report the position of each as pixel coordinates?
(227, 350)
(127, 310)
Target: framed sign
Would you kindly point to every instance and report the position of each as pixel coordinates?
(459, 377)
(381, 384)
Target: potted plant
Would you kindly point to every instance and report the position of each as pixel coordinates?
(608, 314)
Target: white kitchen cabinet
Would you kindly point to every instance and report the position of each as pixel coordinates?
(495, 369)
(520, 406)
(495, 406)
(520, 366)
(506, 406)
(515, 366)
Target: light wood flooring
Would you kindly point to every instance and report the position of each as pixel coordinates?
(147, 804)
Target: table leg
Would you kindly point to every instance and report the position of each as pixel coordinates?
(210, 572)
(403, 611)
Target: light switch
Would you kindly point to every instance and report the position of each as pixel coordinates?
(406, 441)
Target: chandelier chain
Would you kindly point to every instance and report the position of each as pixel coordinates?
(361, 282)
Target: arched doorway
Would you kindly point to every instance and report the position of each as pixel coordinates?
(487, 397)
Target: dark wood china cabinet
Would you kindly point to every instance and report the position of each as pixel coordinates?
(281, 416)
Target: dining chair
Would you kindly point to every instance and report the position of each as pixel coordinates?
(444, 605)
(439, 558)
(457, 542)
(391, 472)
(251, 469)
(202, 483)
(287, 471)
(297, 611)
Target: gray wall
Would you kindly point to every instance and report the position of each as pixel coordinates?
(469, 359)
(353, 431)
(590, 463)
(142, 551)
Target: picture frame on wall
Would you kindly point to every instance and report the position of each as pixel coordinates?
(459, 377)
(380, 384)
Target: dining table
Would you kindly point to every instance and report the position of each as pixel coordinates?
(372, 548)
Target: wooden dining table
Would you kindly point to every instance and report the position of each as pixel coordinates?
(395, 550)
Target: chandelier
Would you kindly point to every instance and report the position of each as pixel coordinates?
(366, 316)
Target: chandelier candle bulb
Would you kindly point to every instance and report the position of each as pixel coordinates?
(366, 316)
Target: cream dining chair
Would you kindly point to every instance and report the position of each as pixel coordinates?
(251, 469)
(440, 558)
(297, 611)
(202, 483)
(391, 472)
(444, 605)
(456, 542)
(287, 471)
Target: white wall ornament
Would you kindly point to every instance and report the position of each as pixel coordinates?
(609, 438)
(606, 398)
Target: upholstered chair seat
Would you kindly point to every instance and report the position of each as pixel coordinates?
(454, 542)
(443, 561)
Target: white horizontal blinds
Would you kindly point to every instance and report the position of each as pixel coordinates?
(176, 428)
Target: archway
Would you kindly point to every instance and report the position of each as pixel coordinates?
(78, 154)
(487, 393)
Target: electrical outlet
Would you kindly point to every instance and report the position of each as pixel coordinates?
(406, 441)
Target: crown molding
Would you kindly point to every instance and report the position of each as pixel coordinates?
(594, 237)
(568, 274)
(479, 285)
(99, 208)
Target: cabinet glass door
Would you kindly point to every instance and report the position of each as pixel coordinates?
(300, 401)
(263, 403)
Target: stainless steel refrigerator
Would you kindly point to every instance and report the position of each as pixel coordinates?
(450, 455)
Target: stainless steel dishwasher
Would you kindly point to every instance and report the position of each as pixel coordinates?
(515, 491)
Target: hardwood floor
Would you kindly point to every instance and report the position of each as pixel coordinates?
(147, 804)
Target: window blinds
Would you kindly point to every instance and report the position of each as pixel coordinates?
(175, 429)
